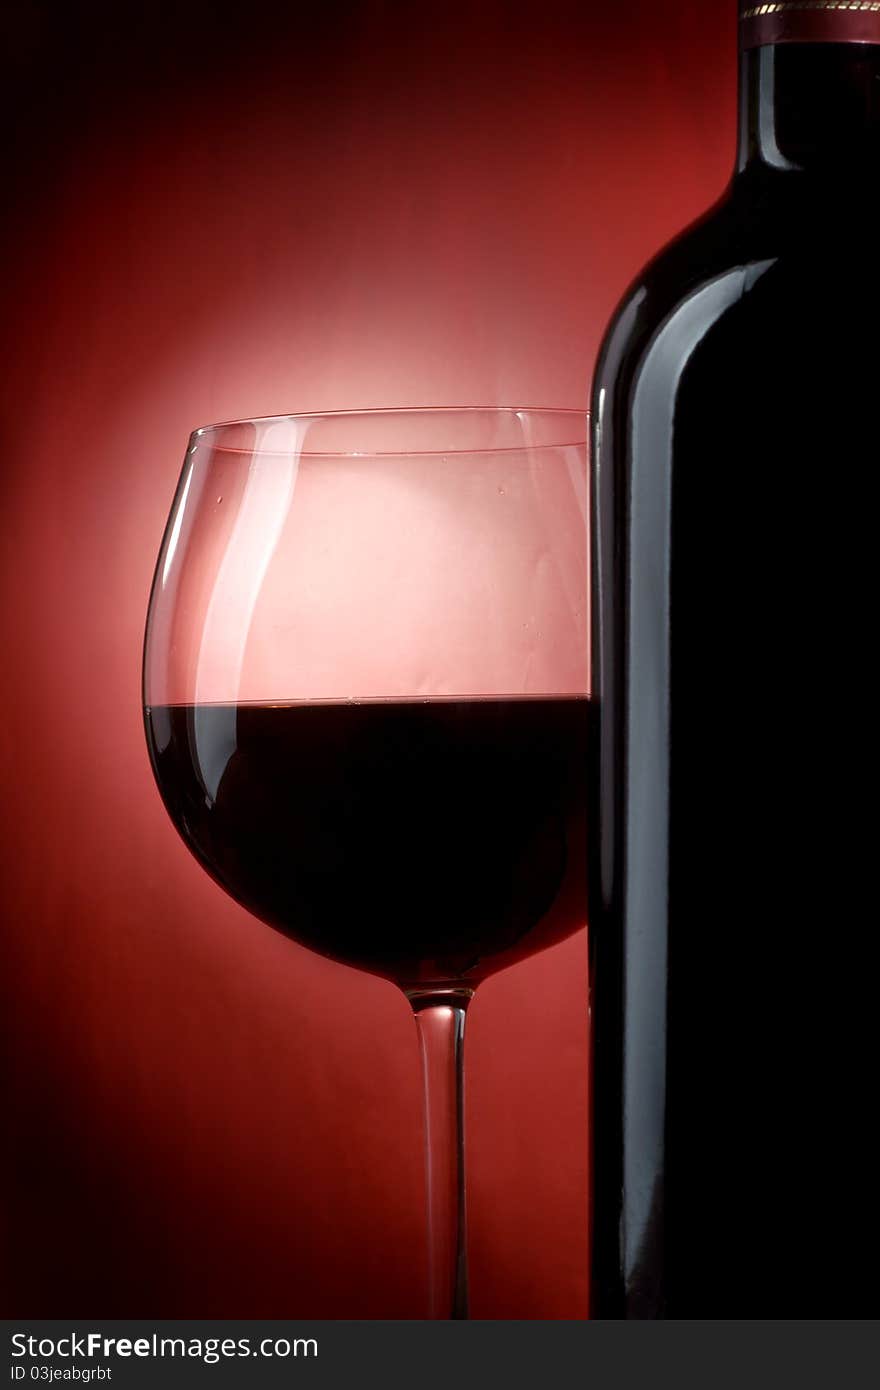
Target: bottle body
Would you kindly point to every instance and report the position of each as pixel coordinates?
(736, 432)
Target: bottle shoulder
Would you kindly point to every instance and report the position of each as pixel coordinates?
(766, 249)
(726, 240)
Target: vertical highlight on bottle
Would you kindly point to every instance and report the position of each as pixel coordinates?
(809, 21)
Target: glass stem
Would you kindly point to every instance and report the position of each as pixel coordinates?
(440, 1026)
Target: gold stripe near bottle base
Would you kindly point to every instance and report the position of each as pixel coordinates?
(853, 6)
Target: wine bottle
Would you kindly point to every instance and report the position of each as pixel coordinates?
(736, 434)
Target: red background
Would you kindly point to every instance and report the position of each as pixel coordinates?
(244, 210)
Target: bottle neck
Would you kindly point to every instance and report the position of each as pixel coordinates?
(812, 108)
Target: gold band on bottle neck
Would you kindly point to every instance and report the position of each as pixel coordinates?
(810, 21)
(853, 5)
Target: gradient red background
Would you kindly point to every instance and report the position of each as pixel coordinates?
(244, 210)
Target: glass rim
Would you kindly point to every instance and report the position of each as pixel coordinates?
(577, 438)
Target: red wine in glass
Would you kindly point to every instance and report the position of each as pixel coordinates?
(427, 841)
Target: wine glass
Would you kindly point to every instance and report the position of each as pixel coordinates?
(365, 700)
